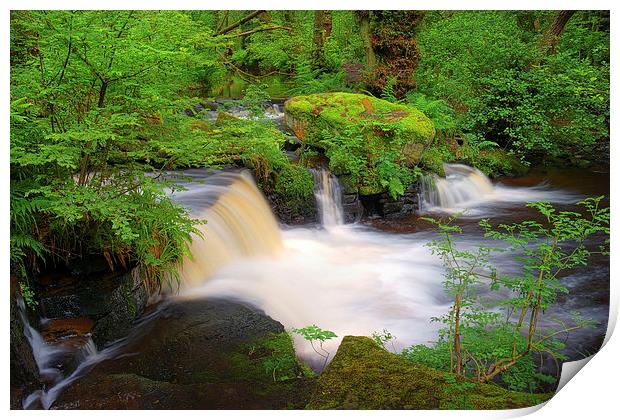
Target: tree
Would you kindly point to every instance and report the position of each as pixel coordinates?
(322, 29)
(481, 343)
(550, 38)
(88, 93)
(363, 19)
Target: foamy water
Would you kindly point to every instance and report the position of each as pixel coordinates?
(350, 279)
(468, 191)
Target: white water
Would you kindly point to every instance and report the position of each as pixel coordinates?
(46, 356)
(351, 279)
(328, 196)
(468, 191)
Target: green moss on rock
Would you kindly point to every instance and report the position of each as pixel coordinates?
(339, 110)
(363, 375)
(294, 188)
(372, 141)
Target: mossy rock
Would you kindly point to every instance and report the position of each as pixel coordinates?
(358, 132)
(363, 375)
(338, 110)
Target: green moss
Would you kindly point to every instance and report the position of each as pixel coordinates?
(339, 110)
(494, 163)
(294, 186)
(363, 375)
(271, 358)
(373, 142)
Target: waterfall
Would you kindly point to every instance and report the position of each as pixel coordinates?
(328, 195)
(462, 185)
(240, 224)
(47, 356)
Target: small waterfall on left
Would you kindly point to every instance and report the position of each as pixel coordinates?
(47, 356)
(328, 195)
(240, 224)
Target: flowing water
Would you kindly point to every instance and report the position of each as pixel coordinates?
(354, 279)
(468, 191)
(328, 196)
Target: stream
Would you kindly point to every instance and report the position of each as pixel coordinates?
(356, 279)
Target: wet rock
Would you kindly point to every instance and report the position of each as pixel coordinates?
(352, 208)
(363, 375)
(198, 354)
(112, 300)
(24, 371)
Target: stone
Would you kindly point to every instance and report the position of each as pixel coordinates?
(386, 128)
(111, 300)
(364, 376)
(198, 354)
(24, 373)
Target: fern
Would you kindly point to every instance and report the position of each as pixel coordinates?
(442, 115)
(387, 93)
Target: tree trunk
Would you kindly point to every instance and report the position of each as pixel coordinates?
(321, 30)
(457, 335)
(363, 18)
(551, 37)
(102, 91)
(240, 22)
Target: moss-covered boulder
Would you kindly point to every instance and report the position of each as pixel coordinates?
(363, 375)
(371, 141)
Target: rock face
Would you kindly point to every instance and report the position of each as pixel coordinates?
(24, 370)
(362, 375)
(111, 300)
(386, 207)
(378, 128)
(198, 354)
(352, 208)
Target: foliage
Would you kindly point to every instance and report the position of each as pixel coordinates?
(372, 142)
(314, 334)
(481, 343)
(387, 93)
(255, 96)
(308, 81)
(383, 337)
(295, 184)
(28, 295)
(488, 66)
(78, 115)
(281, 362)
(439, 112)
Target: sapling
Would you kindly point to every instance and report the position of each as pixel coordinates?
(479, 341)
(314, 334)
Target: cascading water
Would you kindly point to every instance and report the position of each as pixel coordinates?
(462, 184)
(239, 225)
(351, 280)
(468, 190)
(47, 356)
(328, 195)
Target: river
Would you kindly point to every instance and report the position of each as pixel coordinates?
(356, 279)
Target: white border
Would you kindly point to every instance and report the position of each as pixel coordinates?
(592, 395)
